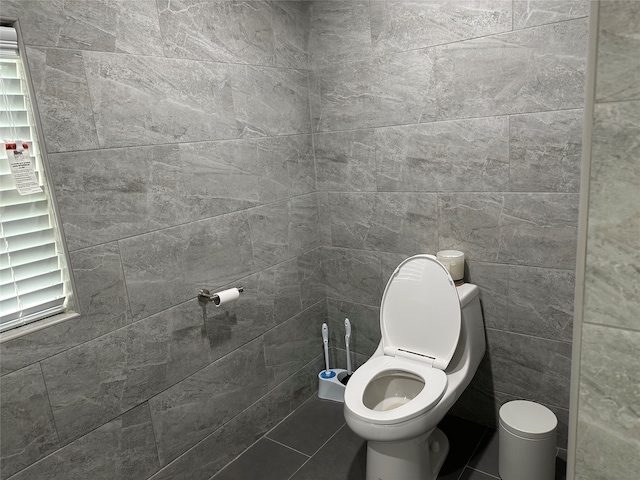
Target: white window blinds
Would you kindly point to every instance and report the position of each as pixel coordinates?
(32, 284)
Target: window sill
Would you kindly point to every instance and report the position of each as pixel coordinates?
(35, 326)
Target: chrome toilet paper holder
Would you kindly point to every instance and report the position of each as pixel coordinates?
(205, 296)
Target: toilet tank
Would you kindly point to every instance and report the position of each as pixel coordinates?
(471, 345)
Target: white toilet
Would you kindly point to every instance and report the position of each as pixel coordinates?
(432, 343)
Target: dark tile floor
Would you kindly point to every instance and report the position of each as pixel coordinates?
(314, 443)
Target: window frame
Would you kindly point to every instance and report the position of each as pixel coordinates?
(72, 309)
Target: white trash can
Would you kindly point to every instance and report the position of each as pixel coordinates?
(527, 441)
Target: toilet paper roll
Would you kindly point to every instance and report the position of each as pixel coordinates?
(225, 297)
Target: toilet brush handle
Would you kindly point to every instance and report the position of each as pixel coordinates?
(325, 341)
(347, 337)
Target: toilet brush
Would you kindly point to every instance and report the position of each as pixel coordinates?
(347, 337)
(325, 340)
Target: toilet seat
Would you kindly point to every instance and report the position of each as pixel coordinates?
(420, 322)
(420, 311)
(435, 384)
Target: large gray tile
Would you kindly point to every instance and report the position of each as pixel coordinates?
(218, 449)
(545, 151)
(529, 70)
(230, 440)
(529, 13)
(310, 426)
(270, 296)
(464, 437)
(562, 432)
(324, 217)
(270, 101)
(612, 286)
(480, 402)
(266, 460)
(343, 457)
(207, 30)
(389, 90)
(528, 367)
(388, 264)
(608, 437)
(618, 61)
(291, 27)
(471, 155)
(98, 380)
(472, 474)
(540, 229)
(27, 429)
(282, 230)
(188, 412)
(485, 458)
(365, 325)
(353, 275)
(63, 99)
(205, 254)
(346, 161)
(151, 100)
(100, 290)
(315, 99)
(311, 277)
(110, 26)
(102, 298)
(471, 223)
(230, 175)
(493, 281)
(385, 221)
(340, 32)
(293, 344)
(97, 206)
(88, 384)
(163, 186)
(405, 25)
(535, 229)
(122, 449)
(541, 302)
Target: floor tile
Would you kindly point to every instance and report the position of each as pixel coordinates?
(342, 458)
(464, 436)
(485, 458)
(471, 474)
(310, 426)
(265, 460)
(561, 465)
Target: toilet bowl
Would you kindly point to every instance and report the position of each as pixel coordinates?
(432, 343)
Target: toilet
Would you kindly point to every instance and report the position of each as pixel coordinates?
(432, 343)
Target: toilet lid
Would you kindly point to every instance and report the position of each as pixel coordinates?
(420, 310)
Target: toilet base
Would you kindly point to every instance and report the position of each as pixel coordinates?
(417, 459)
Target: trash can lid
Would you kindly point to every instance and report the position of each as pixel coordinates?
(528, 419)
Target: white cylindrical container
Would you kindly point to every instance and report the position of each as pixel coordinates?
(527, 441)
(454, 261)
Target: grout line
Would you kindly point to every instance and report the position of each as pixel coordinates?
(484, 473)
(316, 452)
(308, 400)
(425, 124)
(486, 430)
(286, 446)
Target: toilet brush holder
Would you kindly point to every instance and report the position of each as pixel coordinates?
(329, 385)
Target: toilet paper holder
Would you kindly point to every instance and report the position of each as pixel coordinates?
(206, 296)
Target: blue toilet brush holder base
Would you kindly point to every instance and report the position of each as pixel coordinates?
(330, 386)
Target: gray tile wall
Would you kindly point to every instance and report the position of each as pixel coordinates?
(304, 156)
(181, 155)
(456, 125)
(608, 423)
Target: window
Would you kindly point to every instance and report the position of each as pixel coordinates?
(34, 281)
